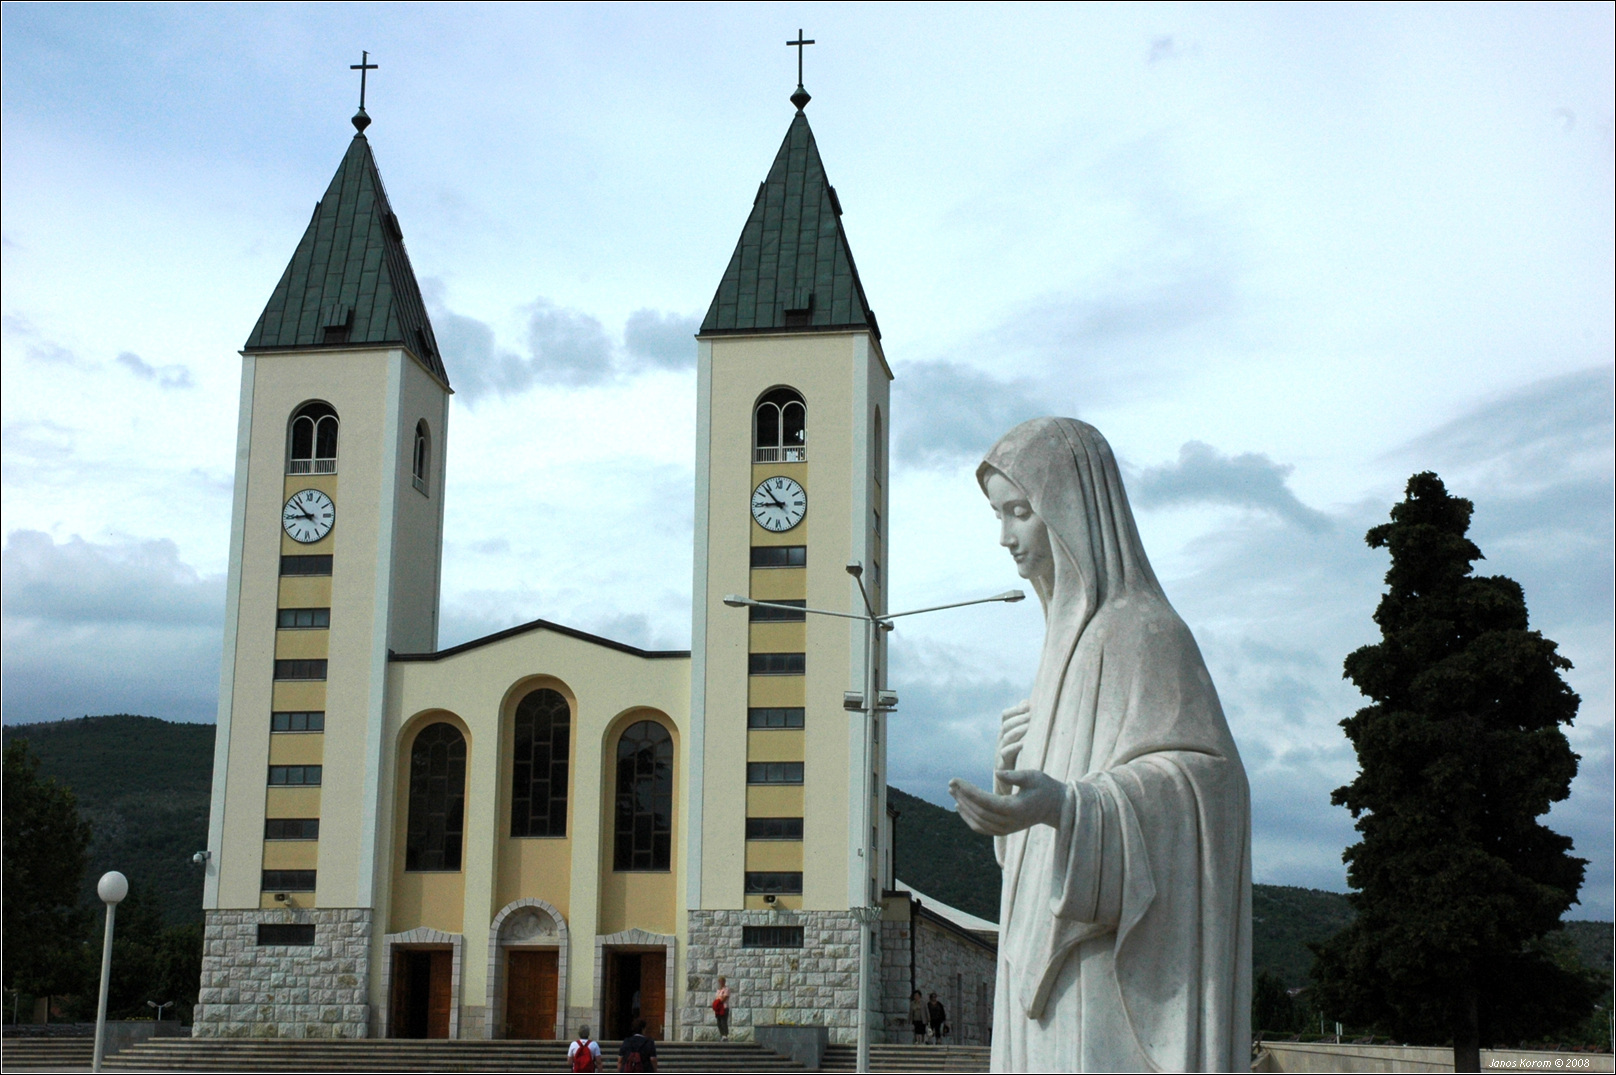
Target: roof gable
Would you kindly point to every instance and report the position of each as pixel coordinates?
(350, 271)
(792, 269)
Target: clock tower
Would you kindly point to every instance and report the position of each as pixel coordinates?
(335, 552)
(792, 409)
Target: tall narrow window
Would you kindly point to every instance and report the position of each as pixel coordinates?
(644, 798)
(878, 449)
(539, 767)
(423, 454)
(312, 440)
(780, 427)
(437, 799)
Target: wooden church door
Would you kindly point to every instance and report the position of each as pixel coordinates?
(531, 978)
(423, 992)
(440, 994)
(653, 991)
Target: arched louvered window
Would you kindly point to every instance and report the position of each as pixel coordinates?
(437, 818)
(423, 454)
(312, 440)
(780, 427)
(644, 836)
(539, 765)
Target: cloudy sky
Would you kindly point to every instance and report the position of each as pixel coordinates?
(1282, 257)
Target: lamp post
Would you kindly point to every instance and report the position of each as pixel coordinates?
(112, 888)
(872, 701)
(159, 1007)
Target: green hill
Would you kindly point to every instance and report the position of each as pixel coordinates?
(939, 855)
(143, 784)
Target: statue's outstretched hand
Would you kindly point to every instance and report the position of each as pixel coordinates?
(1038, 802)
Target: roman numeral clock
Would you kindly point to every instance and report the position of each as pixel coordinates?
(779, 503)
(308, 516)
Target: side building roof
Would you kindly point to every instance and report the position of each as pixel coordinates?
(350, 280)
(792, 269)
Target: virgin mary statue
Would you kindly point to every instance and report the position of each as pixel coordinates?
(1120, 809)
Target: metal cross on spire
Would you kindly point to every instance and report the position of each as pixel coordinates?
(360, 119)
(801, 97)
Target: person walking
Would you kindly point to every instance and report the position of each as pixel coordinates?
(638, 1051)
(917, 1016)
(584, 1054)
(935, 1015)
(721, 1008)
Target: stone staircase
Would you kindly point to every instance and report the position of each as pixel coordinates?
(47, 1054)
(371, 1054)
(910, 1058)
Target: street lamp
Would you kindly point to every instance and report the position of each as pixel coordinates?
(159, 1007)
(870, 702)
(112, 888)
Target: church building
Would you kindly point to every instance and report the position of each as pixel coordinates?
(542, 828)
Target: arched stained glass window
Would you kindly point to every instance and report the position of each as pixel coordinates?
(539, 765)
(437, 818)
(312, 440)
(644, 798)
(780, 427)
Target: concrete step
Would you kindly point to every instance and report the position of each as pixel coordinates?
(44, 1054)
(279, 1055)
(902, 1058)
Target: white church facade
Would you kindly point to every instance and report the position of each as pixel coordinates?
(542, 827)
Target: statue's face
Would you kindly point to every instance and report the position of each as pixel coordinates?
(1020, 529)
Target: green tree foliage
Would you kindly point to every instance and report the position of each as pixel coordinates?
(45, 846)
(1461, 751)
(143, 785)
(151, 962)
(1273, 1009)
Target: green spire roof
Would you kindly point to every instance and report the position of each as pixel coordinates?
(792, 269)
(349, 281)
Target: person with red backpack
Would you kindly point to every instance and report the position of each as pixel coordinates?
(638, 1052)
(584, 1054)
(721, 1009)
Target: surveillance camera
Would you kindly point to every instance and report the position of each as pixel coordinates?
(280, 897)
(770, 898)
(201, 857)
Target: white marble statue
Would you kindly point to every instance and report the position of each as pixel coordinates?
(1121, 813)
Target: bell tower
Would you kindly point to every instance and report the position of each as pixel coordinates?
(335, 554)
(792, 418)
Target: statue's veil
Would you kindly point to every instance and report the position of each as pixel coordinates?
(1067, 470)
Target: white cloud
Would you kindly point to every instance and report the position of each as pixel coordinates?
(170, 376)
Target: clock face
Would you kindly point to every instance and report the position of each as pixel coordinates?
(308, 516)
(778, 504)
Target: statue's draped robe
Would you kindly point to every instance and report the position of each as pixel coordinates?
(1125, 940)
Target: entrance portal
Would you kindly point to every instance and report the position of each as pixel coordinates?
(636, 988)
(531, 976)
(422, 993)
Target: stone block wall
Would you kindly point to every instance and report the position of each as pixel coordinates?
(815, 985)
(919, 950)
(285, 991)
(959, 968)
(895, 980)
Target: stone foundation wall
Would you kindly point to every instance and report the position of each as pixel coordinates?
(960, 971)
(293, 991)
(896, 982)
(815, 985)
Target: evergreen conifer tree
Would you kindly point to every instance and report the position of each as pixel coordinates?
(1461, 751)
